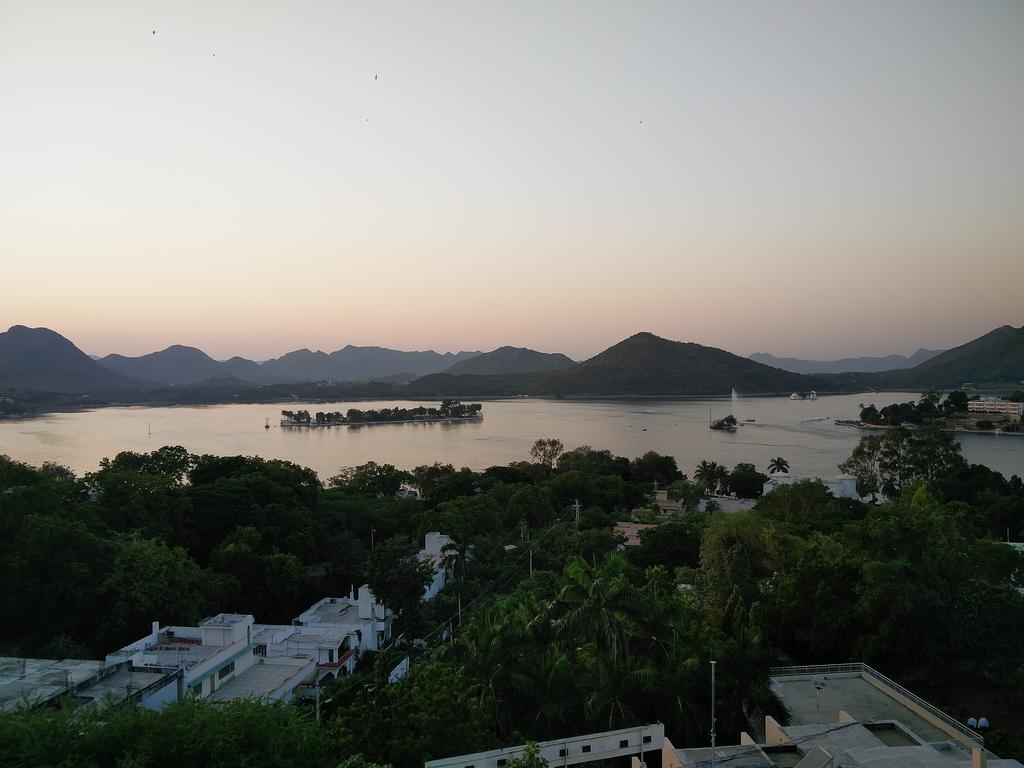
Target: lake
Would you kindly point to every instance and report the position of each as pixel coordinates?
(801, 431)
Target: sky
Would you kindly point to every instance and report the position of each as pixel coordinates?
(815, 179)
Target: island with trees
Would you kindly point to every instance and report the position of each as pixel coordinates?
(932, 410)
(449, 410)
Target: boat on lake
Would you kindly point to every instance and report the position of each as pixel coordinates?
(812, 395)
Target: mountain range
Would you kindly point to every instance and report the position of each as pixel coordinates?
(847, 364)
(178, 365)
(38, 359)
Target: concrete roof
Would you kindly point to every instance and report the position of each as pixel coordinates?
(261, 679)
(35, 681)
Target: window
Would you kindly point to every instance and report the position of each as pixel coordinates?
(623, 743)
(259, 650)
(196, 689)
(501, 762)
(330, 655)
(647, 739)
(563, 752)
(586, 748)
(226, 670)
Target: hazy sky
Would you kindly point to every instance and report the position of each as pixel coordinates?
(807, 178)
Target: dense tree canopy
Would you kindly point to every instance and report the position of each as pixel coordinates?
(545, 627)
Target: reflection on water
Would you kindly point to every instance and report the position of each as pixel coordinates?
(801, 431)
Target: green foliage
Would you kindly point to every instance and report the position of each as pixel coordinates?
(187, 733)
(397, 576)
(745, 481)
(594, 639)
(889, 462)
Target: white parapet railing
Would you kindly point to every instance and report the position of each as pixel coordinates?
(865, 671)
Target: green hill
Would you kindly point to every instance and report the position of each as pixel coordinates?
(511, 360)
(643, 365)
(996, 357)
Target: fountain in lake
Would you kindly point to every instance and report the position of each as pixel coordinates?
(735, 404)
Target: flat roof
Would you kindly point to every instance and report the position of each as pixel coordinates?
(178, 653)
(852, 694)
(261, 679)
(35, 681)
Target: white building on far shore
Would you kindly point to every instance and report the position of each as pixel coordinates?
(1014, 411)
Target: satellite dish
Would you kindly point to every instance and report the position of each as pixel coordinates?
(819, 682)
(972, 722)
(983, 723)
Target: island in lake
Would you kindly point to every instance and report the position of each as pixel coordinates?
(449, 410)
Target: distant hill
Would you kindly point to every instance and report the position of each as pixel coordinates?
(506, 360)
(643, 364)
(357, 364)
(181, 365)
(42, 360)
(846, 364)
(998, 356)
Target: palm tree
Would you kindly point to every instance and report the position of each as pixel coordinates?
(711, 474)
(778, 464)
(600, 605)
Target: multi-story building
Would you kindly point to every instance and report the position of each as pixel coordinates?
(1013, 411)
(217, 660)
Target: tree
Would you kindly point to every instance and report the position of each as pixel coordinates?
(711, 474)
(529, 759)
(372, 479)
(546, 451)
(688, 493)
(149, 580)
(745, 481)
(778, 464)
(397, 576)
(890, 462)
(653, 468)
(532, 505)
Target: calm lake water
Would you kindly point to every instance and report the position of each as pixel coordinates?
(801, 431)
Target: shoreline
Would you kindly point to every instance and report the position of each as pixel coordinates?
(953, 430)
(422, 399)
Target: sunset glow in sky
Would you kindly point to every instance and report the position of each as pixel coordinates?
(807, 178)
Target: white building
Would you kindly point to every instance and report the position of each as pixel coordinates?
(842, 487)
(217, 661)
(359, 616)
(433, 551)
(1002, 407)
(332, 632)
(85, 683)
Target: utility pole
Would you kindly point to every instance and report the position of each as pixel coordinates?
(576, 508)
(713, 662)
(531, 561)
(371, 537)
(317, 695)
